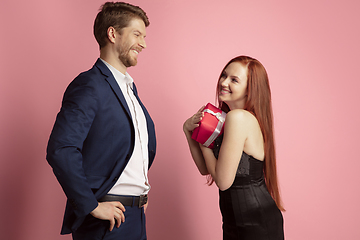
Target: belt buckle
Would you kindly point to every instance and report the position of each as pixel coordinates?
(143, 200)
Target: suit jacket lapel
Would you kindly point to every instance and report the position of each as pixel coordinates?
(135, 92)
(137, 97)
(114, 85)
(146, 113)
(111, 80)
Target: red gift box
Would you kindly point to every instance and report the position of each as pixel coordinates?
(211, 126)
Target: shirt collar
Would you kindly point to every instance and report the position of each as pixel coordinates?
(119, 76)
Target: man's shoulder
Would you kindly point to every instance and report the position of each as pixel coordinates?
(94, 75)
(94, 80)
(98, 68)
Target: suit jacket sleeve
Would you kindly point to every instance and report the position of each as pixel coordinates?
(64, 152)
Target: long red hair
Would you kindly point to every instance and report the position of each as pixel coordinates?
(258, 102)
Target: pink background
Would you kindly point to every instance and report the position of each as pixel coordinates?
(309, 48)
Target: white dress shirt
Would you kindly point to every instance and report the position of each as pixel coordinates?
(133, 180)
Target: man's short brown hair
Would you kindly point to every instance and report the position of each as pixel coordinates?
(117, 15)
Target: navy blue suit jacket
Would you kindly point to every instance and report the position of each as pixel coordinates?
(92, 141)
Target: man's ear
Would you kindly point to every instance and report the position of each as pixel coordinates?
(111, 34)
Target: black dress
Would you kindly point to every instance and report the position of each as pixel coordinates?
(247, 208)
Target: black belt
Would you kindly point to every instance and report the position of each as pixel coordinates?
(126, 200)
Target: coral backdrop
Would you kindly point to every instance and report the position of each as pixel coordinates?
(310, 49)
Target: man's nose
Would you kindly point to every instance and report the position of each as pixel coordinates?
(142, 43)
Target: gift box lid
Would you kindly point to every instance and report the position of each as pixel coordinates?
(210, 127)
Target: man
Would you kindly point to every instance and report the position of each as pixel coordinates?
(103, 140)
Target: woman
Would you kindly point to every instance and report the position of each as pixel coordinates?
(243, 163)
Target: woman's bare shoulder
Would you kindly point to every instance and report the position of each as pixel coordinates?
(244, 122)
(241, 116)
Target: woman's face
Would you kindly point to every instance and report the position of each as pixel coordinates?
(233, 85)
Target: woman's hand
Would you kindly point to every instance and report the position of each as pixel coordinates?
(189, 125)
(193, 122)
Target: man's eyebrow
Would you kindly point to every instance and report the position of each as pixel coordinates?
(138, 31)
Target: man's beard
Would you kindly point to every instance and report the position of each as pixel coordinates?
(127, 60)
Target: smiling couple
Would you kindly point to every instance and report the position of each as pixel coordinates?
(103, 142)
